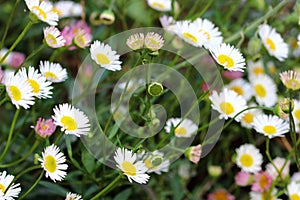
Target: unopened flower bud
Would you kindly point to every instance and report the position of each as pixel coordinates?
(284, 104)
(214, 171)
(193, 153)
(254, 46)
(107, 17)
(156, 160)
(155, 89)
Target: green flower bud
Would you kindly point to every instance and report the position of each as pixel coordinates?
(107, 17)
(254, 45)
(214, 171)
(155, 89)
(156, 160)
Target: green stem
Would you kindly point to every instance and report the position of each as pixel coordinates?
(26, 171)
(107, 188)
(10, 134)
(58, 138)
(30, 23)
(4, 100)
(35, 145)
(33, 186)
(8, 23)
(270, 158)
(33, 54)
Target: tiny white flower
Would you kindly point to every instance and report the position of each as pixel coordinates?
(241, 87)
(160, 5)
(249, 159)
(8, 189)
(294, 190)
(183, 128)
(53, 71)
(73, 196)
(53, 37)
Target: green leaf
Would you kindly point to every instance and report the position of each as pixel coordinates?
(124, 194)
(87, 160)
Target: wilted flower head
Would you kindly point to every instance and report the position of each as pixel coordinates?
(290, 79)
(154, 41)
(135, 41)
(44, 127)
(193, 153)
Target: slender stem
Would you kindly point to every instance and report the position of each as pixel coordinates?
(3, 100)
(30, 23)
(33, 186)
(10, 134)
(8, 23)
(58, 138)
(107, 188)
(35, 145)
(33, 54)
(270, 158)
(26, 171)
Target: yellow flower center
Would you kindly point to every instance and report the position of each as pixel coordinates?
(190, 37)
(297, 114)
(51, 39)
(50, 163)
(69, 123)
(220, 195)
(79, 41)
(180, 131)
(158, 5)
(205, 33)
(248, 118)
(263, 181)
(225, 60)
(148, 163)
(128, 168)
(2, 188)
(260, 90)
(237, 89)
(15, 93)
(41, 13)
(272, 69)
(292, 84)
(246, 160)
(269, 129)
(35, 85)
(57, 11)
(50, 75)
(227, 108)
(258, 70)
(102, 59)
(295, 197)
(271, 44)
(44, 127)
(265, 196)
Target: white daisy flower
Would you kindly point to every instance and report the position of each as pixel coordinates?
(270, 125)
(273, 42)
(241, 87)
(255, 69)
(183, 128)
(71, 120)
(296, 111)
(53, 162)
(160, 5)
(8, 190)
(249, 159)
(290, 79)
(53, 71)
(229, 57)
(43, 11)
(211, 35)
(167, 22)
(228, 103)
(40, 86)
(67, 9)
(154, 41)
(82, 39)
(73, 196)
(134, 170)
(19, 91)
(294, 190)
(189, 33)
(104, 56)
(135, 41)
(155, 162)
(249, 115)
(264, 90)
(263, 195)
(53, 37)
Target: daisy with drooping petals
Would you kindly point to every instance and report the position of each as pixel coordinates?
(294, 190)
(241, 87)
(290, 79)
(229, 57)
(188, 32)
(249, 115)
(264, 90)
(8, 190)
(228, 103)
(71, 120)
(19, 91)
(104, 56)
(160, 5)
(183, 128)
(43, 11)
(167, 22)
(135, 41)
(53, 37)
(255, 69)
(154, 41)
(210, 33)
(264, 195)
(262, 182)
(134, 170)
(273, 42)
(249, 159)
(53, 71)
(73, 196)
(270, 125)
(53, 162)
(40, 86)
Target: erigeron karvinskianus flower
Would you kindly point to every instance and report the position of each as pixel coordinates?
(183, 128)
(160, 5)
(154, 41)
(71, 120)
(267, 195)
(73, 196)
(135, 41)
(243, 178)
(82, 39)
(290, 79)
(241, 87)
(53, 162)
(44, 127)
(127, 162)
(262, 182)
(188, 32)
(279, 163)
(67, 9)
(53, 37)
(293, 190)
(53, 71)
(220, 194)
(8, 189)
(193, 153)
(248, 158)
(156, 162)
